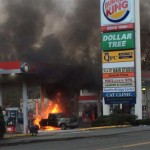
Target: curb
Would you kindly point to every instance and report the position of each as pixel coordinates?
(105, 127)
(11, 135)
(28, 138)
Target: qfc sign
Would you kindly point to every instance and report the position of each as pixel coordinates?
(117, 11)
(118, 40)
(118, 56)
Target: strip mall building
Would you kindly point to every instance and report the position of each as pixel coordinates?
(88, 99)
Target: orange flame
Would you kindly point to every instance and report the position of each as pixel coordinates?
(51, 108)
(56, 109)
(37, 120)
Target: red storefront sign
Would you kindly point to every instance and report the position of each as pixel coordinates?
(119, 27)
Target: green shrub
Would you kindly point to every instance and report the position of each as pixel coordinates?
(2, 124)
(115, 119)
(120, 119)
(143, 122)
(124, 118)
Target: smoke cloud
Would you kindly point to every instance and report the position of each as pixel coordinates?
(48, 30)
(61, 33)
(145, 32)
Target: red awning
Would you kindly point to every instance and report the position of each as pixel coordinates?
(10, 67)
(88, 99)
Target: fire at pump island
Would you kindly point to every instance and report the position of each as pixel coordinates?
(54, 116)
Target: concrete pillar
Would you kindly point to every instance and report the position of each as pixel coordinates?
(42, 98)
(121, 106)
(25, 98)
(99, 111)
(138, 105)
(37, 108)
(106, 108)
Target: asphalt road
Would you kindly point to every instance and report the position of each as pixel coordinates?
(139, 140)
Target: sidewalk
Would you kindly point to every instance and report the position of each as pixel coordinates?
(14, 139)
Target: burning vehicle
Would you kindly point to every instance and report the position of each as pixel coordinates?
(55, 115)
(60, 120)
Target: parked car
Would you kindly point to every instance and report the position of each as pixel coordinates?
(60, 120)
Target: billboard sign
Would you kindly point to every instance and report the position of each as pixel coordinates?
(121, 69)
(119, 94)
(118, 65)
(118, 56)
(123, 89)
(117, 12)
(118, 80)
(120, 100)
(118, 75)
(128, 84)
(118, 40)
(120, 27)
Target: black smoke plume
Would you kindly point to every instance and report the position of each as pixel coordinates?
(54, 32)
(145, 33)
(65, 37)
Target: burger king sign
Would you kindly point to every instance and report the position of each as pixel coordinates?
(117, 12)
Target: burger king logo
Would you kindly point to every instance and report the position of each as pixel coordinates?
(116, 10)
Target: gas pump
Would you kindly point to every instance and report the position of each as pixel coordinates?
(12, 114)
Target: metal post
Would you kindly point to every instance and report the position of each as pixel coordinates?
(138, 105)
(25, 98)
(1, 102)
(147, 100)
(76, 104)
(99, 104)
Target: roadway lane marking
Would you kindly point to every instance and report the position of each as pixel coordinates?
(125, 146)
(138, 144)
(74, 132)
